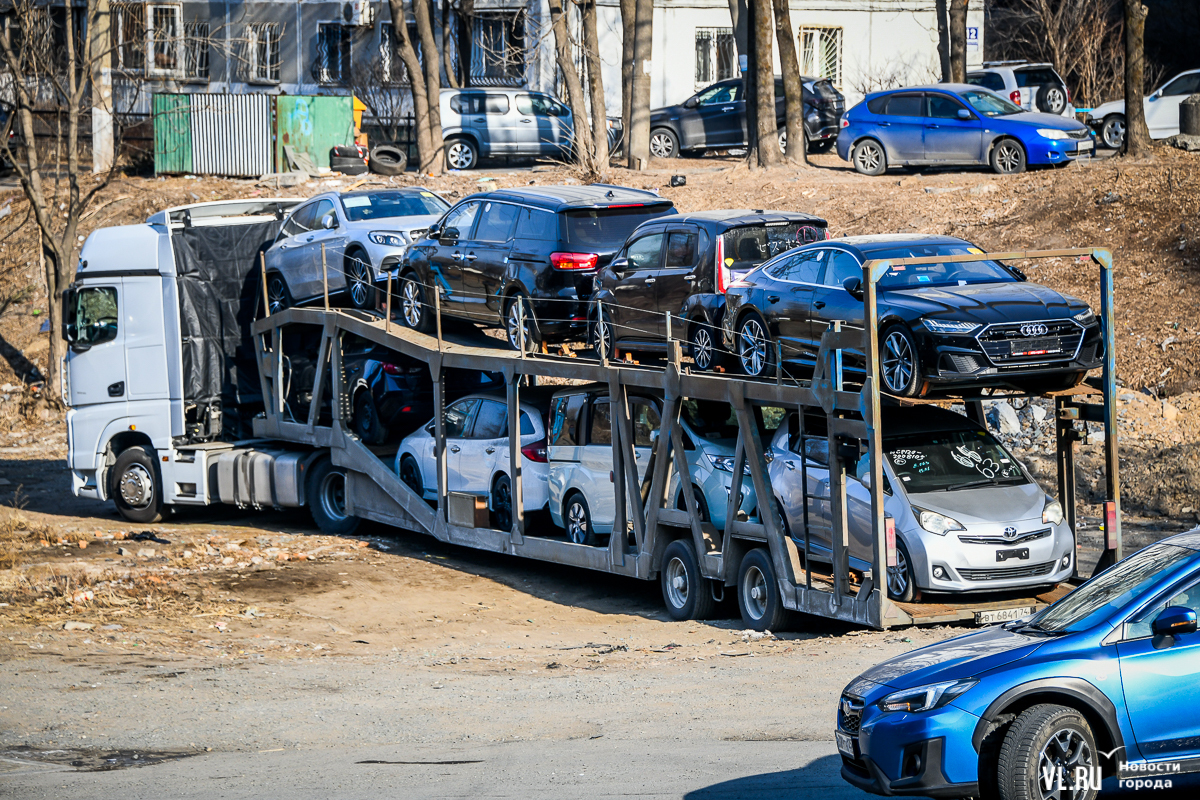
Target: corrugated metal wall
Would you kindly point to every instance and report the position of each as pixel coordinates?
(312, 125)
(231, 134)
(172, 133)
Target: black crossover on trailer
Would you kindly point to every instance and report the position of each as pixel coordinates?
(682, 265)
(499, 254)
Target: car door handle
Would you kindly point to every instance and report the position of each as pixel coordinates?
(283, 247)
(454, 448)
(819, 304)
(526, 121)
(457, 256)
(772, 298)
(470, 256)
(932, 126)
(490, 450)
(791, 464)
(885, 124)
(116, 389)
(651, 280)
(691, 278)
(309, 239)
(727, 108)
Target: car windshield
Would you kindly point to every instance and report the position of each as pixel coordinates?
(909, 276)
(710, 419)
(609, 227)
(384, 205)
(1119, 587)
(951, 460)
(748, 246)
(990, 105)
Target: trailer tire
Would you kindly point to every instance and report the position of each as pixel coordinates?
(758, 593)
(685, 591)
(367, 424)
(137, 485)
(326, 494)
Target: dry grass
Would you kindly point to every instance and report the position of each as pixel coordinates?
(18, 534)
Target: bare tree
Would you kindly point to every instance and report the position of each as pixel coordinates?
(449, 12)
(422, 11)
(958, 41)
(1137, 134)
(943, 26)
(426, 108)
(591, 52)
(628, 27)
(637, 136)
(566, 64)
(793, 89)
(381, 90)
(766, 136)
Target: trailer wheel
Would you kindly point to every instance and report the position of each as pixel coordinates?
(137, 485)
(758, 593)
(326, 493)
(685, 591)
(578, 518)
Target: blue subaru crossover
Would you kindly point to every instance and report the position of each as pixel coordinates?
(1104, 682)
(952, 123)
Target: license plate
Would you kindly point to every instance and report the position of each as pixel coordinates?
(1034, 347)
(1085, 146)
(1020, 553)
(845, 743)
(1001, 615)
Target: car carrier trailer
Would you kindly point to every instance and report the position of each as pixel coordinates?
(168, 446)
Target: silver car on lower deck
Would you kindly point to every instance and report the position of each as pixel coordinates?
(969, 517)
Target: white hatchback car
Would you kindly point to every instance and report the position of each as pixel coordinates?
(477, 460)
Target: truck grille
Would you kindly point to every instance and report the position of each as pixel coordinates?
(1008, 574)
(1027, 342)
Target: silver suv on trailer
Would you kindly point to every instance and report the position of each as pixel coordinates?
(1034, 87)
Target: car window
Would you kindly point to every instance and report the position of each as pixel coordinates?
(609, 227)
(462, 219)
(465, 103)
(95, 313)
(943, 107)
(1184, 84)
(877, 105)
(300, 221)
(495, 104)
(951, 460)
(601, 427)
(990, 105)
(841, 266)
(726, 93)
(536, 224)
(646, 252)
(491, 420)
(565, 413)
(907, 276)
(1038, 76)
(803, 267)
(385, 205)
(645, 420)
(681, 249)
(904, 105)
(534, 105)
(750, 245)
(495, 222)
(320, 209)
(1141, 627)
(815, 444)
(710, 419)
(458, 418)
(988, 80)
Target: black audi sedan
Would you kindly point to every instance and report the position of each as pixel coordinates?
(941, 326)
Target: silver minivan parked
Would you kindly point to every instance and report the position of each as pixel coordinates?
(480, 123)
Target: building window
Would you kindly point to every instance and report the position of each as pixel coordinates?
(716, 55)
(498, 50)
(195, 51)
(391, 66)
(821, 53)
(261, 63)
(332, 67)
(127, 27)
(164, 42)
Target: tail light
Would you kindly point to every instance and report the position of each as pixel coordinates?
(535, 451)
(390, 369)
(845, 122)
(1015, 96)
(574, 261)
(1067, 89)
(722, 270)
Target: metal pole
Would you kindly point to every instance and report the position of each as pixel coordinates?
(387, 306)
(521, 325)
(872, 271)
(1112, 508)
(837, 360)
(262, 259)
(437, 313)
(325, 276)
(599, 326)
(439, 437)
(779, 363)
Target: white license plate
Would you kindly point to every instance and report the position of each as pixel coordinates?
(845, 743)
(1084, 146)
(1001, 615)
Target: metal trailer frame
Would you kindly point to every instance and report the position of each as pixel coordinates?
(375, 492)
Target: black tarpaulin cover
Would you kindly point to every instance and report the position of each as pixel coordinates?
(218, 293)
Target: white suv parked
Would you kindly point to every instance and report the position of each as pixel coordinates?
(1162, 111)
(1034, 87)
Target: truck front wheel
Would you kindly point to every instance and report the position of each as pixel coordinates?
(326, 494)
(137, 485)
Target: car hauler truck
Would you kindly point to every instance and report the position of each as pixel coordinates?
(184, 391)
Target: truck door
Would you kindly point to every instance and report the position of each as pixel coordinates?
(144, 338)
(95, 361)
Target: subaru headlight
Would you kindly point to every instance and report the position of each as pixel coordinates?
(950, 326)
(926, 698)
(937, 523)
(1085, 317)
(725, 463)
(387, 239)
(1051, 133)
(1052, 512)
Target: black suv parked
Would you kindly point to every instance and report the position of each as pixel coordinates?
(540, 246)
(682, 265)
(715, 119)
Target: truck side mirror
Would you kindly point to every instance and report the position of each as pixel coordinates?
(68, 314)
(854, 287)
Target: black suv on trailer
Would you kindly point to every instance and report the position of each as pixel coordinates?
(682, 264)
(537, 249)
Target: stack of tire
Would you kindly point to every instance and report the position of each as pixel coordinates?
(348, 159)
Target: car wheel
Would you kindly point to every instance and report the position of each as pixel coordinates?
(758, 593)
(137, 486)
(461, 154)
(900, 364)
(414, 311)
(1008, 157)
(702, 345)
(1047, 744)
(1112, 132)
(869, 157)
(782, 134)
(502, 504)
(755, 350)
(1051, 99)
(278, 296)
(360, 282)
(701, 505)
(410, 475)
(388, 160)
(685, 591)
(326, 495)
(366, 419)
(578, 519)
(900, 582)
(518, 307)
(602, 338)
(664, 143)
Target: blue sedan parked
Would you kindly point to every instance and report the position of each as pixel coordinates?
(955, 124)
(1104, 682)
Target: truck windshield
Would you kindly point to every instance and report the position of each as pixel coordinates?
(608, 228)
(750, 245)
(383, 205)
(914, 276)
(951, 460)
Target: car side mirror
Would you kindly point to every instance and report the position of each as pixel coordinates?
(619, 264)
(964, 114)
(691, 102)
(432, 232)
(1021, 276)
(1158, 94)
(854, 287)
(1174, 621)
(329, 221)
(448, 235)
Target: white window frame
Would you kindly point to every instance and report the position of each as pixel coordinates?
(713, 56)
(175, 43)
(816, 44)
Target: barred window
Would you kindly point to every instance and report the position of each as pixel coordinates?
(261, 61)
(716, 56)
(391, 66)
(821, 53)
(332, 67)
(164, 42)
(498, 50)
(127, 29)
(195, 51)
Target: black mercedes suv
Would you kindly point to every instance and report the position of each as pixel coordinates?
(497, 253)
(682, 264)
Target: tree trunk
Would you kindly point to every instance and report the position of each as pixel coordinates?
(591, 50)
(628, 26)
(764, 79)
(466, 40)
(750, 84)
(429, 154)
(639, 108)
(1137, 135)
(793, 89)
(422, 13)
(958, 41)
(939, 8)
(447, 55)
(582, 136)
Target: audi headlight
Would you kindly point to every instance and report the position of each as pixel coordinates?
(725, 463)
(1052, 512)
(925, 698)
(937, 523)
(950, 326)
(387, 239)
(1051, 133)
(1085, 317)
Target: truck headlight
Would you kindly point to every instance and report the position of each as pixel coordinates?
(1051, 133)
(387, 239)
(925, 698)
(937, 523)
(1052, 512)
